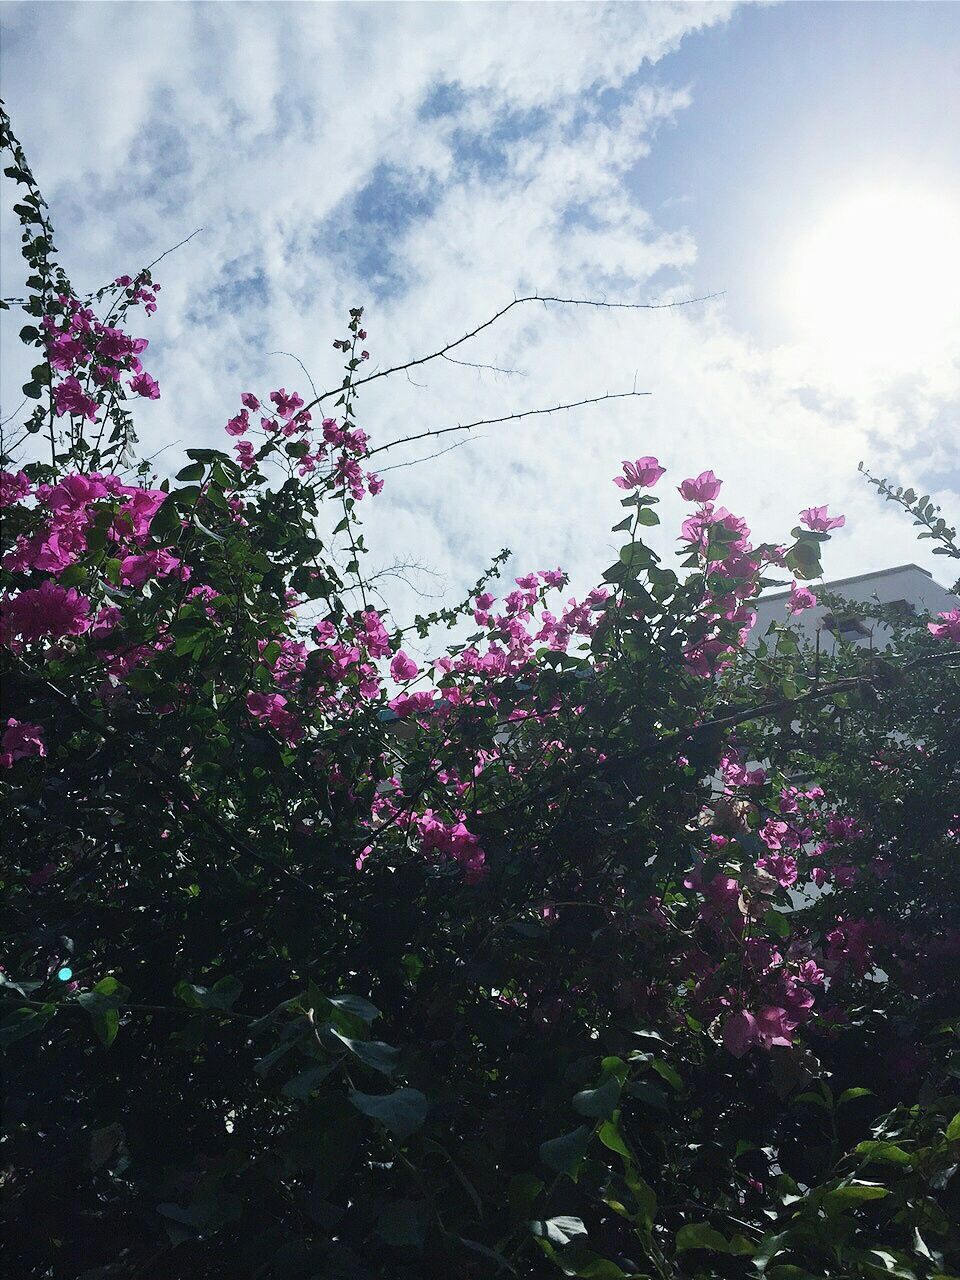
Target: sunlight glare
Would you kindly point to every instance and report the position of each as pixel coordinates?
(876, 282)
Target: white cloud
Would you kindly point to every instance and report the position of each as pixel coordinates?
(265, 123)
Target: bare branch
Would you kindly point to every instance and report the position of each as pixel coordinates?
(510, 417)
(439, 454)
(533, 297)
(493, 368)
(172, 249)
(299, 362)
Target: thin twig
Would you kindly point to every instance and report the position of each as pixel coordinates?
(533, 297)
(510, 417)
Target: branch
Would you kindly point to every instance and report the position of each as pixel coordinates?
(428, 457)
(742, 715)
(510, 417)
(533, 297)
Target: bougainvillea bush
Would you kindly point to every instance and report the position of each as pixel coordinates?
(602, 944)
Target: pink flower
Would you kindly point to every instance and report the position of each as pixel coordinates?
(375, 634)
(19, 741)
(948, 628)
(14, 487)
(47, 610)
(136, 570)
(140, 508)
(374, 483)
(800, 598)
(287, 405)
(403, 667)
(146, 386)
(816, 518)
(68, 397)
(740, 1033)
(642, 474)
(407, 704)
(238, 425)
(250, 401)
(704, 488)
(245, 454)
(271, 707)
(781, 866)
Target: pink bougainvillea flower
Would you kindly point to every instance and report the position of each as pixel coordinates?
(136, 570)
(781, 866)
(948, 628)
(19, 741)
(816, 518)
(250, 401)
(69, 397)
(14, 487)
(287, 405)
(139, 509)
(740, 1033)
(704, 488)
(47, 610)
(145, 386)
(403, 667)
(238, 425)
(800, 598)
(642, 474)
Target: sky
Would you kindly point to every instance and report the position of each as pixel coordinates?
(430, 162)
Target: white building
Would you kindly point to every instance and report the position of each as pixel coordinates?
(907, 587)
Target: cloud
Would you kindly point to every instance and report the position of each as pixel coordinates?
(431, 162)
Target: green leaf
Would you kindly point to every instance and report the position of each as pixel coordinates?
(857, 1192)
(20, 1023)
(402, 1112)
(953, 1129)
(698, 1235)
(599, 1103)
(373, 1053)
(565, 1154)
(848, 1095)
(356, 1005)
(559, 1231)
(222, 995)
(609, 1135)
(666, 1072)
(195, 471)
(522, 1193)
(884, 1152)
(302, 1085)
(647, 517)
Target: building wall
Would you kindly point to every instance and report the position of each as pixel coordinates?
(907, 582)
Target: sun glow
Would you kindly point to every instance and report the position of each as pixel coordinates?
(875, 283)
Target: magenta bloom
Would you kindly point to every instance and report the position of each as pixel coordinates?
(287, 405)
(68, 397)
(140, 508)
(739, 1033)
(238, 425)
(19, 741)
(47, 610)
(800, 598)
(948, 628)
(136, 570)
(403, 667)
(642, 474)
(146, 386)
(250, 401)
(14, 487)
(704, 488)
(816, 518)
